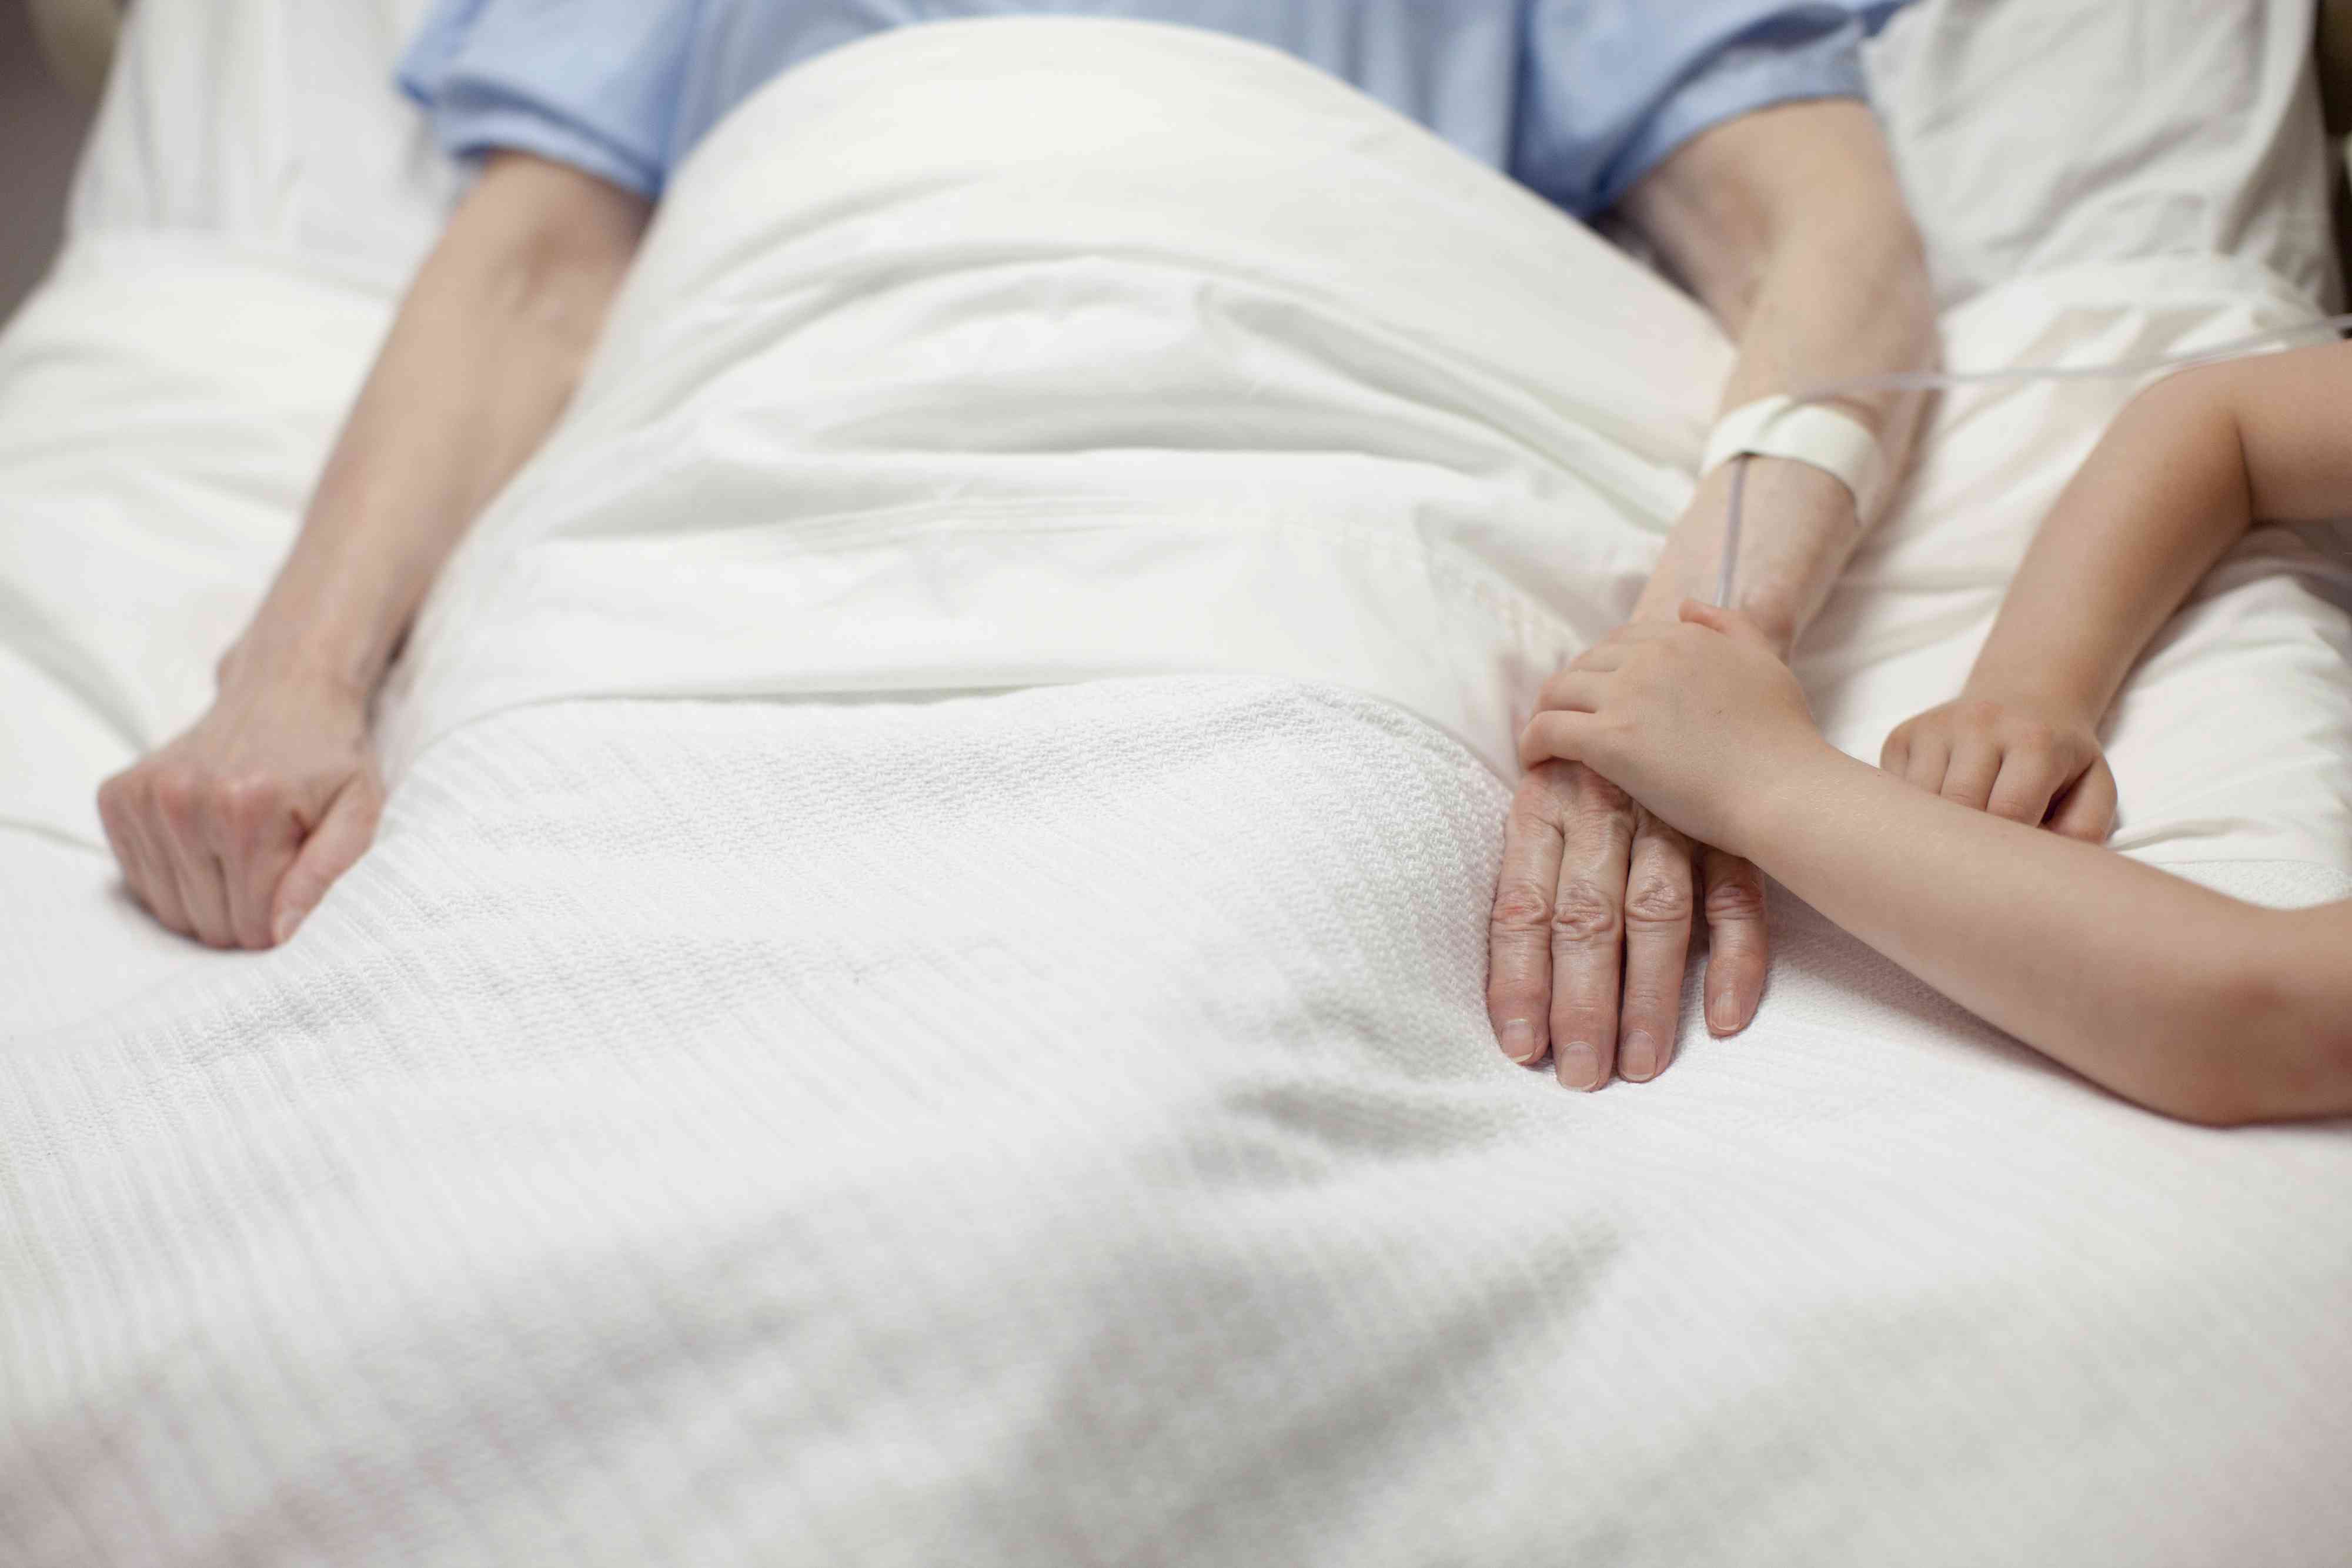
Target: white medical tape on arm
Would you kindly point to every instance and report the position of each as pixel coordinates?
(1837, 444)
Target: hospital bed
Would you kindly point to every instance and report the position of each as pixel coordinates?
(776, 1093)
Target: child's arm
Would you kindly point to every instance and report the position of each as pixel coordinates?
(2170, 995)
(2176, 481)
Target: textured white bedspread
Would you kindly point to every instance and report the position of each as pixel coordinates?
(1061, 1128)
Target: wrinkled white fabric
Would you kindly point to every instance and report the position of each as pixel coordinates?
(1061, 1127)
(2041, 135)
(1046, 369)
(859, 426)
(2029, 136)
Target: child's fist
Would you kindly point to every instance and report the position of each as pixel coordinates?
(2022, 760)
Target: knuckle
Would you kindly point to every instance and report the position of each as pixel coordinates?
(1659, 898)
(1595, 795)
(1586, 916)
(1604, 817)
(1736, 898)
(112, 808)
(1531, 803)
(178, 794)
(1519, 910)
(1547, 786)
(251, 801)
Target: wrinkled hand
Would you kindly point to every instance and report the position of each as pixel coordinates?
(2029, 761)
(1595, 909)
(1695, 719)
(1593, 914)
(233, 832)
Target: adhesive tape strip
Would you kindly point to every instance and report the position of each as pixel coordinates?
(1838, 443)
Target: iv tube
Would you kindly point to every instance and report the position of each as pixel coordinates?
(1944, 381)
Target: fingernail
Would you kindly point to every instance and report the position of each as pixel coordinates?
(1719, 1013)
(287, 924)
(1639, 1061)
(1519, 1041)
(1579, 1066)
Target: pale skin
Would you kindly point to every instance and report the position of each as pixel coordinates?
(233, 832)
(1789, 225)
(2172, 996)
(1786, 223)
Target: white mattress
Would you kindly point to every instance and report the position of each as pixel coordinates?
(1061, 1125)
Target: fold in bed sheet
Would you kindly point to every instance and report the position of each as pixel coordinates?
(1061, 1127)
(1026, 405)
(1061, 1124)
(2030, 136)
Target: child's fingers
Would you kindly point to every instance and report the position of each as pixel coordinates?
(1969, 780)
(1598, 660)
(1894, 756)
(1556, 735)
(2087, 811)
(1577, 691)
(1931, 754)
(1634, 632)
(1730, 623)
(2029, 781)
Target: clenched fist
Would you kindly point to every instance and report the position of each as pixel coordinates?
(233, 832)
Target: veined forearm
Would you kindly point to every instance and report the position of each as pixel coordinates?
(479, 364)
(1815, 293)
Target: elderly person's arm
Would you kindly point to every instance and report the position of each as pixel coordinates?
(1789, 225)
(232, 833)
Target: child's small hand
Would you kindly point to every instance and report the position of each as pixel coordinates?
(1691, 719)
(2028, 761)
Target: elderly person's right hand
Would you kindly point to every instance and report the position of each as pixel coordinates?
(1593, 919)
(233, 832)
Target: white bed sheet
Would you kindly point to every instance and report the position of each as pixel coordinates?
(1060, 1128)
(2045, 134)
(630, 1155)
(2187, 128)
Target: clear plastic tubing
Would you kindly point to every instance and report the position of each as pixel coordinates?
(1945, 380)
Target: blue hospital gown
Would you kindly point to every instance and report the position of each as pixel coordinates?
(1577, 98)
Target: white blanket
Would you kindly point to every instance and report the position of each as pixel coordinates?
(1052, 372)
(1060, 1126)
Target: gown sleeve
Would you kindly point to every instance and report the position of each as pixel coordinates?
(1613, 87)
(594, 84)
